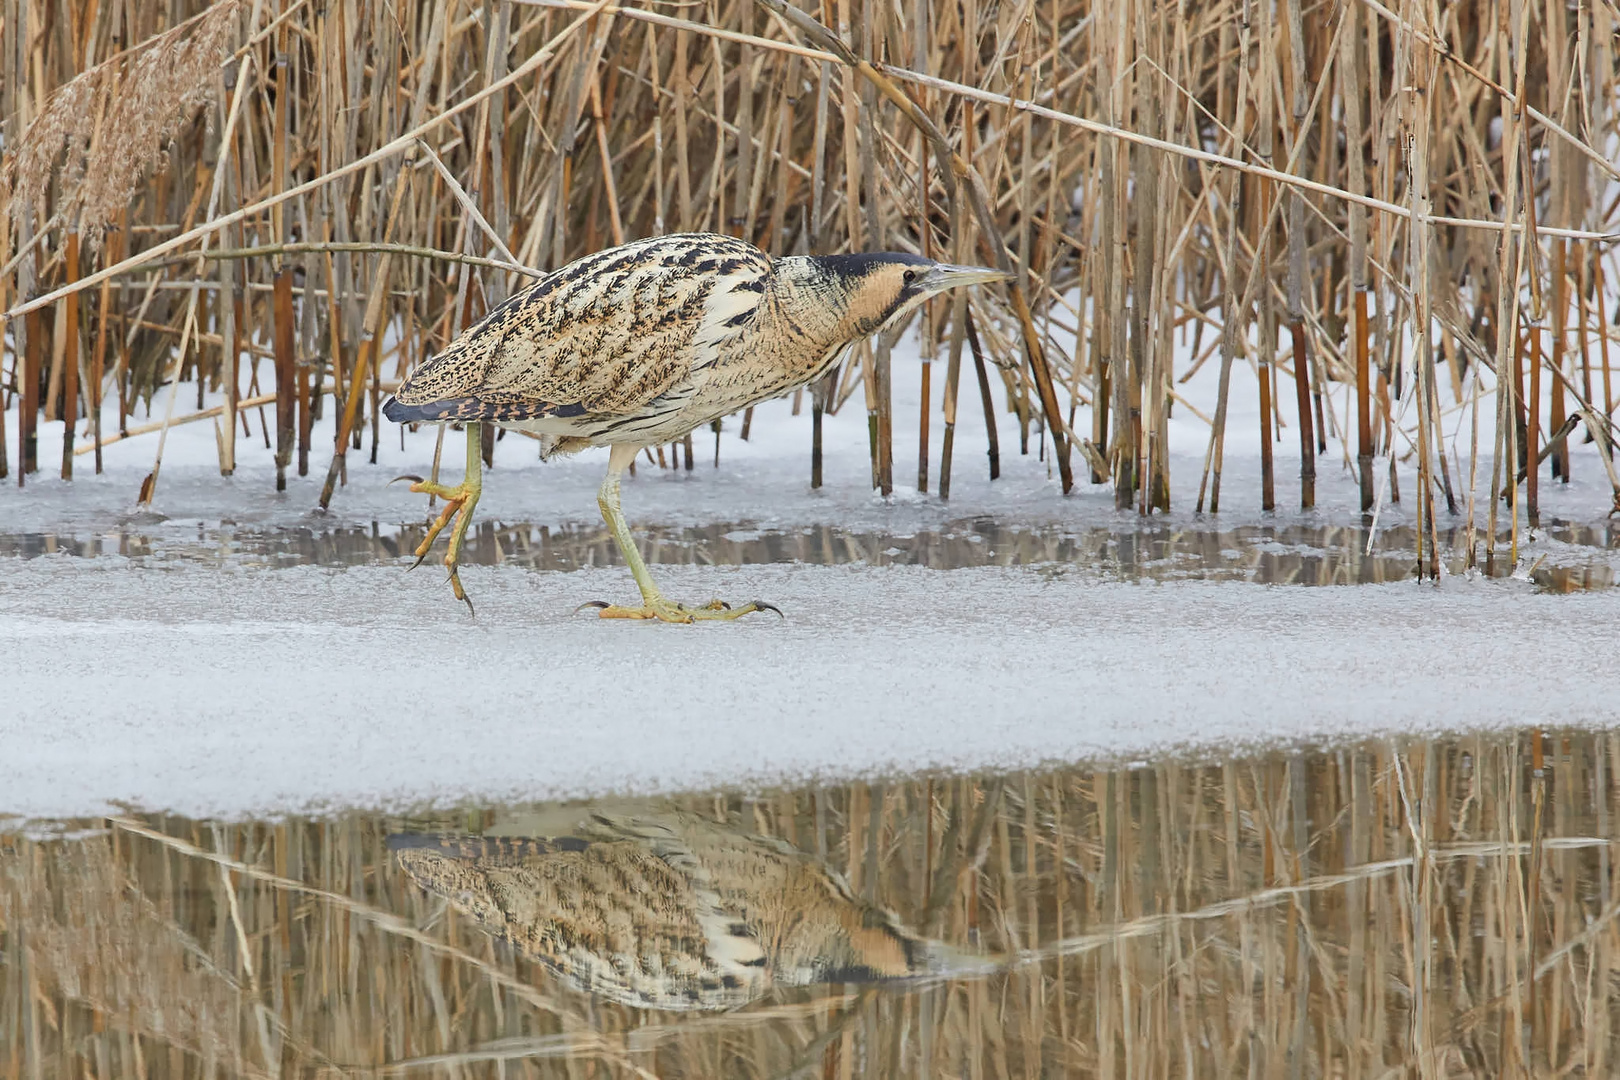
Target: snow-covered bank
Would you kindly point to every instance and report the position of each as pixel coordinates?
(764, 480)
(245, 691)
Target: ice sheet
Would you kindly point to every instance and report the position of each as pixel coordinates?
(239, 691)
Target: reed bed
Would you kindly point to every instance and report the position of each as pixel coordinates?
(1422, 908)
(291, 202)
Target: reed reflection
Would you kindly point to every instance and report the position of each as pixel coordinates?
(1433, 907)
(1581, 556)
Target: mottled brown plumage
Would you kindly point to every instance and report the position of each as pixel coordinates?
(642, 343)
(670, 912)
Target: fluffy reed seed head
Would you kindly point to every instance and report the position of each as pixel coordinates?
(117, 119)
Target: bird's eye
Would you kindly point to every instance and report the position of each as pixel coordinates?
(909, 277)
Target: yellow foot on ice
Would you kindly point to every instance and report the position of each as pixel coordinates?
(667, 611)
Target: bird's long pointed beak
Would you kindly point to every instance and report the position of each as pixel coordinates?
(944, 276)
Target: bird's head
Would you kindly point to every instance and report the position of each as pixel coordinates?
(457, 878)
(881, 287)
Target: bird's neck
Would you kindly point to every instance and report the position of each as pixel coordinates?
(811, 318)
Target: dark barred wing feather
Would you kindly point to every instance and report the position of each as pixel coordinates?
(605, 337)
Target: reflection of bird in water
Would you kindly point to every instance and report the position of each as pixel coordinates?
(637, 345)
(669, 912)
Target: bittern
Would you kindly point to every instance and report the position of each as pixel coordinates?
(638, 345)
(673, 911)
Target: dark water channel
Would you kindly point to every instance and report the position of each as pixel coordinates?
(1571, 557)
(1441, 907)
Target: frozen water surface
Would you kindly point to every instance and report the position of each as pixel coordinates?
(230, 690)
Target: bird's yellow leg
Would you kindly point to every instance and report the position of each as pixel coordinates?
(458, 503)
(654, 605)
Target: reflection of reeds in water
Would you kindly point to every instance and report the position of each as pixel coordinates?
(1271, 555)
(1433, 908)
(98, 952)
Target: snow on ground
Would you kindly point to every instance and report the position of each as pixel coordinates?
(234, 689)
(764, 481)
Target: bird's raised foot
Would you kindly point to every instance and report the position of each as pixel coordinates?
(452, 504)
(668, 611)
(458, 505)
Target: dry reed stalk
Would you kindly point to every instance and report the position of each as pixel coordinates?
(70, 355)
(98, 366)
(27, 430)
(953, 377)
(157, 425)
(1033, 76)
(1419, 58)
(1270, 418)
(1560, 329)
(1299, 83)
(993, 437)
(365, 357)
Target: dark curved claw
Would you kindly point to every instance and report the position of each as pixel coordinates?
(599, 604)
(407, 476)
(461, 594)
(419, 560)
(760, 605)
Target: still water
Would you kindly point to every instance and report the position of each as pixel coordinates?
(1400, 908)
(1567, 557)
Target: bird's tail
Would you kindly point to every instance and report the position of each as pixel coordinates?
(433, 412)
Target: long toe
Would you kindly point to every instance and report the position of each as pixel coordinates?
(461, 594)
(422, 549)
(666, 611)
(659, 609)
(720, 611)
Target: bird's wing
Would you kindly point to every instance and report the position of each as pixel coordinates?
(603, 336)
